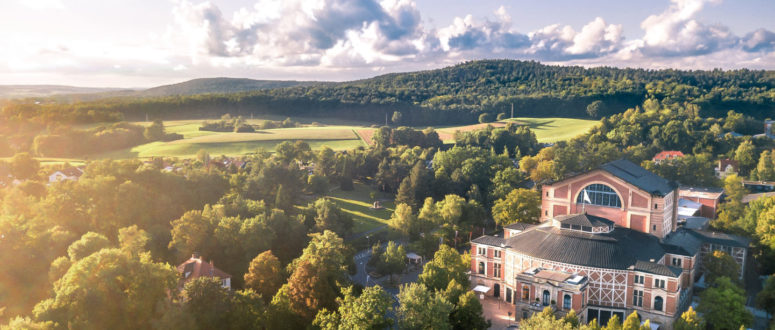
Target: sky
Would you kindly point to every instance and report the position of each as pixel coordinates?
(145, 43)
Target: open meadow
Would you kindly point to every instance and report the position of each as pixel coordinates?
(316, 133)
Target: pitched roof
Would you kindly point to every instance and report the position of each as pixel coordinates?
(583, 219)
(639, 177)
(720, 238)
(196, 267)
(668, 154)
(682, 242)
(657, 269)
(519, 226)
(489, 240)
(618, 249)
(723, 163)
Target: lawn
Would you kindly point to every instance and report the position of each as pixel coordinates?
(546, 129)
(358, 203)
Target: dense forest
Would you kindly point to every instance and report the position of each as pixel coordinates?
(456, 94)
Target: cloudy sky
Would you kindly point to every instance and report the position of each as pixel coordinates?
(142, 43)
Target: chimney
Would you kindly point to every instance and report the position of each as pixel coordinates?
(195, 255)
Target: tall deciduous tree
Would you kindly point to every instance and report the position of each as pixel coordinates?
(421, 308)
(110, 289)
(367, 311)
(265, 275)
(447, 265)
(723, 305)
(520, 205)
(689, 320)
(89, 243)
(720, 264)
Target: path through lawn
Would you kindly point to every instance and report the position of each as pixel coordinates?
(358, 203)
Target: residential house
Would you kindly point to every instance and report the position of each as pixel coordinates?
(726, 167)
(667, 156)
(196, 267)
(71, 173)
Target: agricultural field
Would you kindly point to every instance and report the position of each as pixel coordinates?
(338, 137)
(233, 144)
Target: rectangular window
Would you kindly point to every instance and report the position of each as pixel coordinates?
(638, 279)
(496, 270)
(497, 253)
(677, 262)
(637, 298)
(525, 293)
(659, 283)
(482, 251)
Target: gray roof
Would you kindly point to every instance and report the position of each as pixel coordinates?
(618, 249)
(657, 269)
(721, 238)
(520, 226)
(682, 242)
(583, 219)
(639, 177)
(489, 240)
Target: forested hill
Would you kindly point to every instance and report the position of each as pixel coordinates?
(459, 93)
(221, 85)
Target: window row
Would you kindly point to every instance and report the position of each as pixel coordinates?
(599, 194)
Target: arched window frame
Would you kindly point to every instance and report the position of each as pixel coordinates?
(547, 296)
(566, 301)
(600, 195)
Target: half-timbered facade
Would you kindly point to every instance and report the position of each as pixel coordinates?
(607, 245)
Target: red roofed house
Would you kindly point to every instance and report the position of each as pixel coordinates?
(667, 156)
(196, 267)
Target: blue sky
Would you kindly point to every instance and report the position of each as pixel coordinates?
(142, 43)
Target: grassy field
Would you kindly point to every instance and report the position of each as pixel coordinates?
(340, 135)
(358, 204)
(557, 129)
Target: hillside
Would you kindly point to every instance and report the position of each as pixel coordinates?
(21, 91)
(220, 86)
(452, 95)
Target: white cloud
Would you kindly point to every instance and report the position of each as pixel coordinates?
(43, 4)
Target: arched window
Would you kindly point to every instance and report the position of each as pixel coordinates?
(599, 194)
(481, 267)
(546, 298)
(658, 303)
(525, 293)
(566, 302)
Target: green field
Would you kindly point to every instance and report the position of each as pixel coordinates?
(234, 144)
(339, 135)
(358, 204)
(557, 129)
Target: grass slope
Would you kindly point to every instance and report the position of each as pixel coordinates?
(358, 204)
(557, 129)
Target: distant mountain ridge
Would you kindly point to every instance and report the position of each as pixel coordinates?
(21, 91)
(218, 85)
(221, 85)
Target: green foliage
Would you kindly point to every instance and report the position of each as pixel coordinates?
(594, 108)
(467, 313)
(393, 260)
(265, 275)
(719, 264)
(396, 118)
(23, 166)
(485, 118)
(765, 299)
(109, 289)
(211, 306)
(421, 308)
(447, 265)
(723, 305)
(367, 311)
(89, 243)
(520, 205)
(326, 215)
(545, 320)
(689, 320)
(404, 221)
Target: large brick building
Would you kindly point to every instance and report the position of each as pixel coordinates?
(608, 244)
